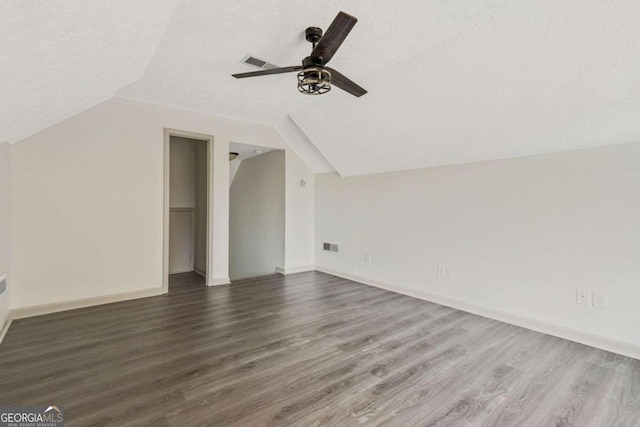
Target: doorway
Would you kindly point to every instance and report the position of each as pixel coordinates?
(256, 211)
(186, 210)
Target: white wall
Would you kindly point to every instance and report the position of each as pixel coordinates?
(299, 215)
(233, 169)
(182, 189)
(88, 200)
(520, 234)
(257, 216)
(5, 235)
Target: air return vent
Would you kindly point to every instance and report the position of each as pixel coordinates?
(3, 284)
(252, 60)
(330, 247)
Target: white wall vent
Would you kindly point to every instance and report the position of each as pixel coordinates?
(252, 60)
(3, 284)
(330, 247)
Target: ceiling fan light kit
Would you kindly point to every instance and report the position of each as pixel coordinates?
(314, 81)
(314, 77)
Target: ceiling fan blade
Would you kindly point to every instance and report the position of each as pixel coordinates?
(268, 72)
(339, 80)
(335, 35)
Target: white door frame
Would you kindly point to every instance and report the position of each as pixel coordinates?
(168, 133)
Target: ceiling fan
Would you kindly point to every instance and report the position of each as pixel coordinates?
(314, 77)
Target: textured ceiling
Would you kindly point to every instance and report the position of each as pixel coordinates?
(60, 57)
(449, 82)
(529, 77)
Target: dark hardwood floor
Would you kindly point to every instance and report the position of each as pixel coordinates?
(308, 349)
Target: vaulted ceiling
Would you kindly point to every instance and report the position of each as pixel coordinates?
(60, 57)
(449, 82)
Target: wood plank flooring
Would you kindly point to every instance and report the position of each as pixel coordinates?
(308, 349)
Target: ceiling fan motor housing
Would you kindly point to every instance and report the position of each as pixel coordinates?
(310, 62)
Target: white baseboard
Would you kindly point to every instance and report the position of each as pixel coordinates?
(201, 273)
(582, 337)
(38, 310)
(219, 281)
(293, 270)
(5, 327)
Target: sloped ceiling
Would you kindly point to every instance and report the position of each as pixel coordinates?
(60, 57)
(518, 78)
(449, 82)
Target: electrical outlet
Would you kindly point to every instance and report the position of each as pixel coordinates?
(367, 258)
(583, 296)
(444, 271)
(448, 272)
(600, 300)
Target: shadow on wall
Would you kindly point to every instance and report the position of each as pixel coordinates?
(257, 216)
